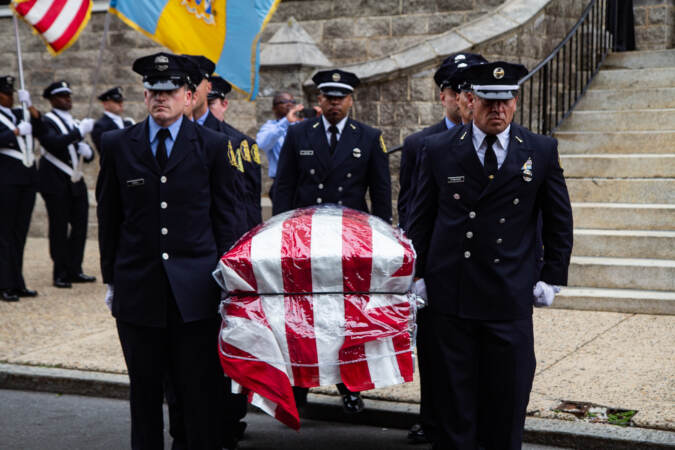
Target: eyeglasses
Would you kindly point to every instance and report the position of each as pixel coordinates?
(283, 102)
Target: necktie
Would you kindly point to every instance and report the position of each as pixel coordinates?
(161, 154)
(490, 157)
(333, 138)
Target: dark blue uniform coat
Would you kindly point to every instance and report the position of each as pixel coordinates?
(476, 240)
(178, 221)
(412, 145)
(307, 175)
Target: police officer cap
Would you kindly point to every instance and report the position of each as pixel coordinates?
(219, 87)
(453, 64)
(57, 87)
(496, 80)
(458, 80)
(6, 84)
(114, 94)
(336, 82)
(205, 65)
(162, 71)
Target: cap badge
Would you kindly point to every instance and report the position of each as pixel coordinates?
(461, 65)
(64, 84)
(10, 79)
(336, 76)
(161, 63)
(356, 152)
(498, 73)
(460, 57)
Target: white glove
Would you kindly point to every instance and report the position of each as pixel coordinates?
(24, 97)
(109, 296)
(84, 150)
(86, 125)
(544, 294)
(419, 288)
(24, 128)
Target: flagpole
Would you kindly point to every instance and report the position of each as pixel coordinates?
(28, 154)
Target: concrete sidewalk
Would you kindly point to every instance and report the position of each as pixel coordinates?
(623, 361)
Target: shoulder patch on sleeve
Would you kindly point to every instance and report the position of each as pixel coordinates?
(245, 151)
(255, 153)
(240, 163)
(230, 154)
(382, 145)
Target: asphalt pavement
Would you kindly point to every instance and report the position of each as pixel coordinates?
(35, 420)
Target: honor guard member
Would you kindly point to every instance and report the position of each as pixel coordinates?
(446, 79)
(473, 223)
(18, 185)
(62, 184)
(113, 107)
(247, 146)
(334, 159)
(448, 94)
(167, 212)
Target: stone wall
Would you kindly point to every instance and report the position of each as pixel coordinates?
(654, 24)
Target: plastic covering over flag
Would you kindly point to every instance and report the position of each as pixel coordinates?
(225, 31)
(317, 296)
(58, 22)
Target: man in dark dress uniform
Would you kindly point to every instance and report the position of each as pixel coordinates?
(62, 184)
(473, 222)
(449, 95)
(449, 81)
(334, 159)
(167, 212)
(18, 185)
(247, 146)
(113, 106)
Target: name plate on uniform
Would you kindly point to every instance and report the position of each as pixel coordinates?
(306, 152)
(459, 179)
(136, 182)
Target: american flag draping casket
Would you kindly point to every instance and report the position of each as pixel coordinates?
(317, 296)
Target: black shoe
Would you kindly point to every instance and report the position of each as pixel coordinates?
(352, 403)
(24, 292)
(8, 296)
(62, 283)
(82, 278)
(416, 435)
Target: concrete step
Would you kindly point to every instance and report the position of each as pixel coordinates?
(640, 59)
(622, 190)
(579, 142)
(624, 216)
(634, 120)
(630, 78)
(619, 166)
(616, 300)
(624, 243)
(622, 273)
(627, 99)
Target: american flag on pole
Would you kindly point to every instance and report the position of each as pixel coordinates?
(317, 296)
(58, 22)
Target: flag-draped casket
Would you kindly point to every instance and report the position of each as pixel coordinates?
(317, 296)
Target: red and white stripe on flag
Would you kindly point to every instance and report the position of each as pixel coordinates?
(318, 296)
(58, 22)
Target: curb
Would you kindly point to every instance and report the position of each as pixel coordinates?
(378, 413)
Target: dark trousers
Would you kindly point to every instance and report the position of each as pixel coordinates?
(185, 354)
(481, 382)
(66, 246)
(16, 206)
(425, 364)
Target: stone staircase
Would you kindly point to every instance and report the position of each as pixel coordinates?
(618, 152)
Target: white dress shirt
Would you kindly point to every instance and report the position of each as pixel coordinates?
(340, 126)
(9, 113)
(115, 118)
(500, 147)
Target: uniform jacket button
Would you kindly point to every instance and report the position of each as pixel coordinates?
(320, 186)
(339, 202)
(472, 215)
(163, 179)
(164, 231)
(499, 241)
(456, 196)
(469, 234)
(467, 254)
(312, 171)
(516, 201)
(163, 205)
(502, 220)
(319, 200)
(165, 256)
(339, 188)
(349, 174)
(496, 261)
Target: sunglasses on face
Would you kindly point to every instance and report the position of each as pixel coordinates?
(283, 102)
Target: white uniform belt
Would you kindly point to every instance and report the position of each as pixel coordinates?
(65, 168)
(12, 153)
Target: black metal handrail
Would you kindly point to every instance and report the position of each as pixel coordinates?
(549, 93)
